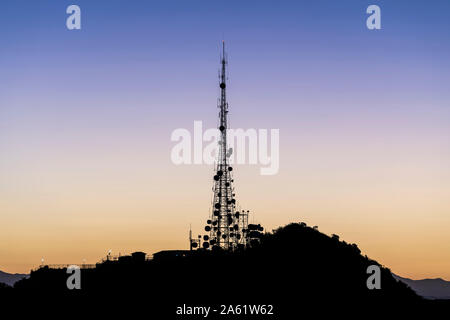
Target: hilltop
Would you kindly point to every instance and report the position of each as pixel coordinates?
(293, 267)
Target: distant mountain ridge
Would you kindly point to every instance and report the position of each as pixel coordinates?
(10, 279)
(428, 288)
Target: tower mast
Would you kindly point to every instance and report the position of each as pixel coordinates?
(225, 189)
(226, 227)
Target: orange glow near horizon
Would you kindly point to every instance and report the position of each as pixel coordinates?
(71, 208)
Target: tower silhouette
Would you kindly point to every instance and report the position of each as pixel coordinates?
(226, 227)
(226, 224)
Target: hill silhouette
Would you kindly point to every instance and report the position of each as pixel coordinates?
(293, 268)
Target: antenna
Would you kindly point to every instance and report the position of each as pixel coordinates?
(190, 237)
(227, 227)
(223, 51)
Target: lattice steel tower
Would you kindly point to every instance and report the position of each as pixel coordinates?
(228, 228)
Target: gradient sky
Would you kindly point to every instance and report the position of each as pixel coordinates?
(86, 118)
